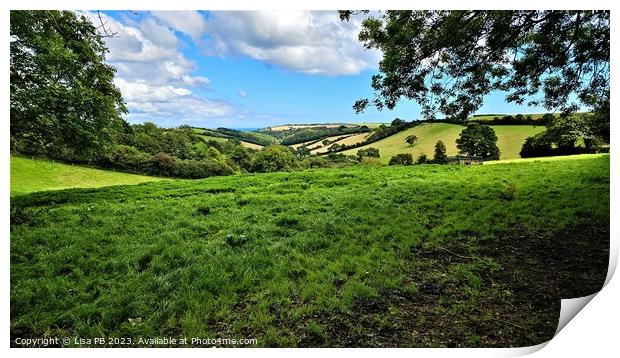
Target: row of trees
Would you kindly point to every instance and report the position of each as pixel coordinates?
(474, 140)
(564, 136)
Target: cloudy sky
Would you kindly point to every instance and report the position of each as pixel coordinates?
(248, 69)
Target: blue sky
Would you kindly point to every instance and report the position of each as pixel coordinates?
(249, 69)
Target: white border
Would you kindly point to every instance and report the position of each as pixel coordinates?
(593, 331)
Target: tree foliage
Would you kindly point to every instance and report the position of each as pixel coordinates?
(448, 60)
(273, 158)
(411, 139)
(563, 135)
(368, 152)
(62, 93)
(478, 140)
(440, 153)
(401, 159)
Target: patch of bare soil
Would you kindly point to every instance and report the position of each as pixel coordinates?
(504, 294)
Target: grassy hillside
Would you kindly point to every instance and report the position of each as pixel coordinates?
(390, 256)
(510, 140)
(352, 139)
(224, 140)
(29, 175)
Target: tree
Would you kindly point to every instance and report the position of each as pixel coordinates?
(335, 147)
(401, 159)
(422, 159)
(563, 133)
(478, 140)
(62, 93)
(440, 153)
(411, 139)
(273, 158)
(303, 152)
(447, 61)
(369, 152)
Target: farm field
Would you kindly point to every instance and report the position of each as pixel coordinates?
(331, 139)
(224, 140)
(285, 127)
(510, 140)
(351, 139)
(31, 175)
(419, 256)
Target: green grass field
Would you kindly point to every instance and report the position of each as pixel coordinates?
(30, 175)
(510, 140)
(393, 256)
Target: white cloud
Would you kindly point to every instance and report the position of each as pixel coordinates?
(154, 76)
(313, 42)
(159, 83)
(170, 103)
(196, 81)
(191, 23)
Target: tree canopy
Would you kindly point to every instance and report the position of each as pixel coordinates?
(479, 140)
(440, 153)
(447, 61)
(62, 92)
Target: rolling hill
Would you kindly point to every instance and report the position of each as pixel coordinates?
(393, 256)
(510, 140)
(32, 175)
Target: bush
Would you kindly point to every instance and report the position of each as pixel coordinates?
(534, 147)
(315, 162)
(129, 159)
(163, 163)
(369, 152)
(402, 159)
(371, 161)
(272, 159)
(422, 159)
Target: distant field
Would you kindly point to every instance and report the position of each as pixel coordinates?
(251, 145)
(510, 140)
(286, 127)
(371, 124)
(352, 139)
(416, 256)
(319, 144)
(29, 175)
(224, 140)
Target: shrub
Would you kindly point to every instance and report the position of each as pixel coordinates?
(315, 162)
(272, 159)
(371, 161)
(163, 163)
(402, 159)
(422, 159)
(368, 152)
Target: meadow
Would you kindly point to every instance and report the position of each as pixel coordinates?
(418, 256)
(30, 175)
(510, 140)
